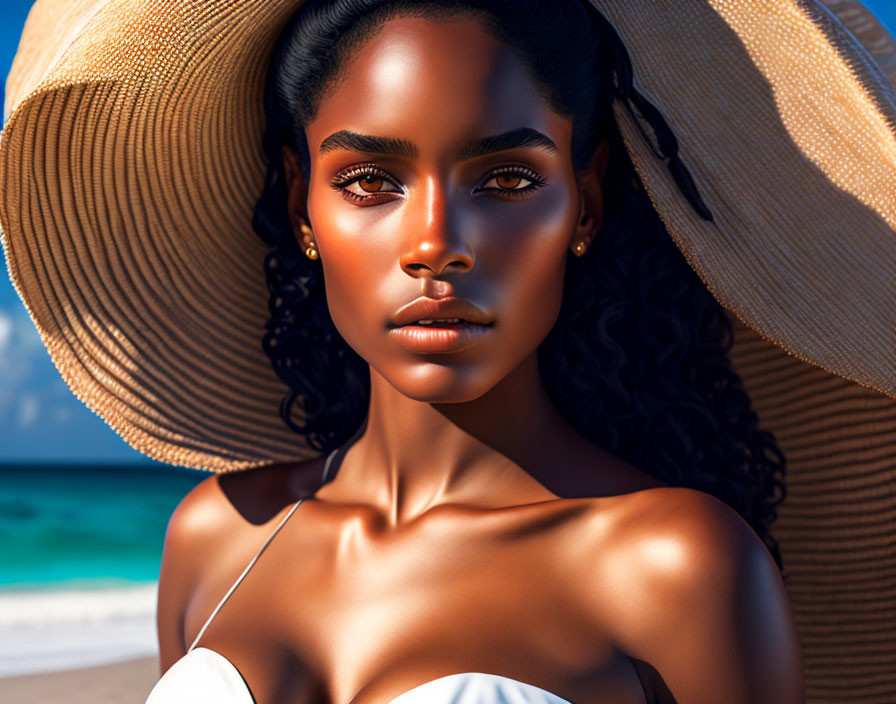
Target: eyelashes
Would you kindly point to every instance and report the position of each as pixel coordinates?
(372, 182)
(517, 173)
(369, 174)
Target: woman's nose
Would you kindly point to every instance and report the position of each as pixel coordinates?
(435, 244)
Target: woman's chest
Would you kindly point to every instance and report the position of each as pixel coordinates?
(354, 621)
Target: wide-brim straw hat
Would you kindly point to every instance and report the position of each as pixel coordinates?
(131, 161)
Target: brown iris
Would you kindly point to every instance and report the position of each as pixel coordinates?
(371, 185)
(507, 180)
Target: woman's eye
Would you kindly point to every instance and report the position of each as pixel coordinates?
(371, 185)
(512, 181)
(364, 183)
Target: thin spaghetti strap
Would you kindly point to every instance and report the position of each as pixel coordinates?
(255, 559)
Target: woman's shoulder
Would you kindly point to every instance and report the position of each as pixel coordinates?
(685, 583)
(671, 547)
(247, 497)
(691, 526)
(223, 509)
(213, 532)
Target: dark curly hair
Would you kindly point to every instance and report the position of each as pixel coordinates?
(638, 359)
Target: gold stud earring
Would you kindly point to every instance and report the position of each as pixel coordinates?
(311, 251)
(579, 249)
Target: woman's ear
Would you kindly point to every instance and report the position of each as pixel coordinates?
(297, 199)
(591, 200)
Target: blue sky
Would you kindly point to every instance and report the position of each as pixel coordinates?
(40, 419)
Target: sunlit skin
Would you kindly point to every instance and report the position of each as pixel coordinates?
(430, 229)
(469, 529)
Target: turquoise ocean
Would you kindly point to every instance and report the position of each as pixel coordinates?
(80, 551)
(86, 526)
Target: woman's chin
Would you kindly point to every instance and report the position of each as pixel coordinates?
(433, 382)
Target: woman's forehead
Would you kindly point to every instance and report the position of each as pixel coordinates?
(436, 84)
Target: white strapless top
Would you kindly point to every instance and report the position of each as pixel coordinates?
(204, 676)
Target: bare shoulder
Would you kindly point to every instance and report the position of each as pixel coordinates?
(199, 512)
(192, 541)
(697, 595)
(674, 541)
(212, 532)
(700, 525)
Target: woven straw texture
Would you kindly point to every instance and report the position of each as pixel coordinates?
(836, 529)
(134, 251)
(131, 160)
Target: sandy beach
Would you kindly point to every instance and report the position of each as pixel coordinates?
(127, 682)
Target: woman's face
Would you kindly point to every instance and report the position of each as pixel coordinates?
(438, 172)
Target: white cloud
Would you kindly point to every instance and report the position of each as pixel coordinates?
(21, 353)
(29, 408)
(5, 332)
(40, 418)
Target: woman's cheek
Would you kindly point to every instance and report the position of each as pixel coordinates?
(359, 273)
(346, 288)
(540, 268)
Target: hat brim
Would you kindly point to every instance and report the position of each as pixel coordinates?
(130, 165)
(131, 162)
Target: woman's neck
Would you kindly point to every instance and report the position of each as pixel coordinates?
(500, 449)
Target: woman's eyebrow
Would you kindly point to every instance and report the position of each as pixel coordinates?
(512, 139)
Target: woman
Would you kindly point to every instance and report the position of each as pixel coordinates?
(436, 183)
(447, 175)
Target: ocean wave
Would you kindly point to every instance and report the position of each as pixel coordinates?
(49, 630)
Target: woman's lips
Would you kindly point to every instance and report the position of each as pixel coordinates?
(439, 337)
